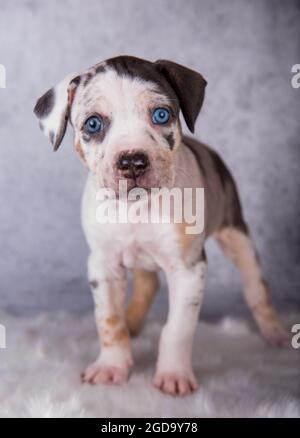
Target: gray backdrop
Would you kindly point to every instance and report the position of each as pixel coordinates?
(244, 49)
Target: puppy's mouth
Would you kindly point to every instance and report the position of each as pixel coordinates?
(131, 184)
(123, 186)
(135, 183)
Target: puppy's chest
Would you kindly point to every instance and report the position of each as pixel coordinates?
(136, 246)
(145, 244)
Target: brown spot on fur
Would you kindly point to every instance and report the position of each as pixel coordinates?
(151, 136)
(185, 240)
(100, 69)
(88, 78)
(72, 90)
(115, 336)
(114, 331)
(170, 140)
(80, 152)
(94, 284)
(195, 302)
(76, 80)
(112, 320)
(120, 335)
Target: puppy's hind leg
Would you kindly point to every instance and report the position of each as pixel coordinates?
(238, 246)
(145, 286)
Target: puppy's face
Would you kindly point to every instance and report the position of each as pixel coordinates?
(126, 127)
(125, 115)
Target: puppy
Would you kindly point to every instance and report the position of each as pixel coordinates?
(125, 116)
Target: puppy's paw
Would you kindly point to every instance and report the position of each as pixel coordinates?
(99, 372)
(175, 383)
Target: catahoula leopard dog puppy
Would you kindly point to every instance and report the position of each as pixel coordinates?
(125, 115)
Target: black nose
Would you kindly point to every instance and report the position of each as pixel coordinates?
(133, 165)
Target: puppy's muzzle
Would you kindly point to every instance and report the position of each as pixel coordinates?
(132, 165)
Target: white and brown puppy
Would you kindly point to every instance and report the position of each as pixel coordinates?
(125, 115)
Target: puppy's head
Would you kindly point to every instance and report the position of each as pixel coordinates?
(125, 115)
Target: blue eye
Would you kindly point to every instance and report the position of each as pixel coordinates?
(93, 125)
(160, 116)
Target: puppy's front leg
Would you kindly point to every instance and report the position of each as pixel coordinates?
(174, 374)
(108, 285)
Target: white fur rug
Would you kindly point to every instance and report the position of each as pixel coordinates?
(239, 374)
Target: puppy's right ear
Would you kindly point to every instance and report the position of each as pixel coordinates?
(53, 109)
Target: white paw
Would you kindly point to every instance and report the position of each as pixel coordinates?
(175, 383)
(99, 372)
(277, 336)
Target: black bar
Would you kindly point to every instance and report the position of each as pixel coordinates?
(135, 426)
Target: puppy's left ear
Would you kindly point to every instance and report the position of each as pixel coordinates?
(189, 86)
(53, 109)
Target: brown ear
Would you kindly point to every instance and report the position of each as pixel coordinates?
(189, 87)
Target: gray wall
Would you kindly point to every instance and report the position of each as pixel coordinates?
(251, 116)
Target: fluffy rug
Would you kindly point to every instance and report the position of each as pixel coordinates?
(239, 374)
